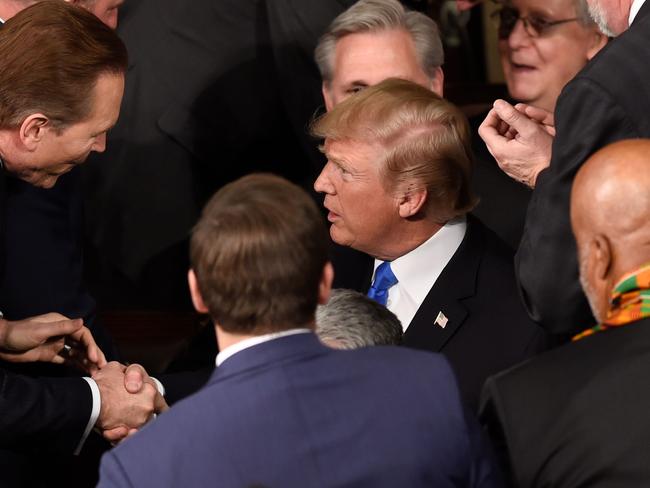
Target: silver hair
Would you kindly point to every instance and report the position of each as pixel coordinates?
(597, 14)
(379, 15)
(582, 13)
(351, 320)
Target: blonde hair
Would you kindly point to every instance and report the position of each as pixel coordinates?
(426, 138)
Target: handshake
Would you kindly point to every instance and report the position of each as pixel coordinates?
(129, 397)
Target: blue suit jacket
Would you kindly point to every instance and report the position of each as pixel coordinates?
(291, 412)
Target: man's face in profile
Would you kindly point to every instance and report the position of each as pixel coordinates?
(368, 58)
(362, 212)
(58, 151)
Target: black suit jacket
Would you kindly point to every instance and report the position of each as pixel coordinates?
(503, 202)
(42, 255)
(488, 329)
(609, 100)
(215, 90)
(576, 415)
(46, 413)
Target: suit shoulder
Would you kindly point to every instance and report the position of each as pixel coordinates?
(495, 248)
(402, 361)
(615, 76)
(541, 375)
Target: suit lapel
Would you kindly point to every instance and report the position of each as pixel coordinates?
(442, 313)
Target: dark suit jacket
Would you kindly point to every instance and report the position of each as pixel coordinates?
(294, 413)
(488, 329)
(609, 100)
(577, 415)
(42, 254)
(502, 201)
(46, 413)
(231, 92)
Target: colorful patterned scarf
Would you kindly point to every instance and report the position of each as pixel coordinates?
(630, 301)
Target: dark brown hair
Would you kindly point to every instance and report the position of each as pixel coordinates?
(258, 252)
(52, 55)
(426, 139)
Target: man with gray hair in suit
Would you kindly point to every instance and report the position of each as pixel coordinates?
(350, 320)
(374, 40)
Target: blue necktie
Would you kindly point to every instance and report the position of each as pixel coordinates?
(384, 279)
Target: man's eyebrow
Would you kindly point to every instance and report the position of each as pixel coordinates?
(359, 83)
(333, 159)
(105, 130)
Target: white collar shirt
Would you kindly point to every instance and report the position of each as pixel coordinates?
(254, 341)
(418, 270)
(634, 9)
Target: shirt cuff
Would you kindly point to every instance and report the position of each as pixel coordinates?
(159, 386)
(94, 414)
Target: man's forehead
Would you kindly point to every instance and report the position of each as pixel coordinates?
(366, 59)
(346, 148)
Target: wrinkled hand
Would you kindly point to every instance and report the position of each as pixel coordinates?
(544, 117)
(42, 338)
(519, 140)
(135, 382)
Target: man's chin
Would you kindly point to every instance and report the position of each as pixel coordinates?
(45, 181)
(340, 238)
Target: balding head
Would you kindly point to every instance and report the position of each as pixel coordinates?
(610, 205)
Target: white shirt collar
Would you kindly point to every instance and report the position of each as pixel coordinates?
(254, 341)
(418, 270)
(634, 9)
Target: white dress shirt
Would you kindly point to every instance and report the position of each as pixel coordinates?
(634, 9)
(254, 341)
(418, 270)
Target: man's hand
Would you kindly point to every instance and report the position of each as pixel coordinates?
(544, 117)
(135, 383)
(519, 140)
(42, 338)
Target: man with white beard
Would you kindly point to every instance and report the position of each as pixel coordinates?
(609, 100)
(577, 415)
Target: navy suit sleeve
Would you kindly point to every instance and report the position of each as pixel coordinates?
(49, 413)
(588, 118)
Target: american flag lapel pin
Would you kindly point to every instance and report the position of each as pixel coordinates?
(441, 320)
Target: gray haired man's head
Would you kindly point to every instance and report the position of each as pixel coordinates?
(351, 320)
(374, 40)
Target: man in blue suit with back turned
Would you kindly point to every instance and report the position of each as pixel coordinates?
(281, 409)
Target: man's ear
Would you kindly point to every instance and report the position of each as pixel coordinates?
(33, 129)
(327, 96)
(438, 82)
(598, 42)
(325, 285)
(411, 202)
(600, 258)
(197, 298)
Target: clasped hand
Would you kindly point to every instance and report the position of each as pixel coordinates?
(520, 139)
(129, 399)
(52, 338)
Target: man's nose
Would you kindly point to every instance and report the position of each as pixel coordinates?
(519, 36)
(323, 184)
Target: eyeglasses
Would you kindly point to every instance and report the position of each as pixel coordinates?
(506, 18)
